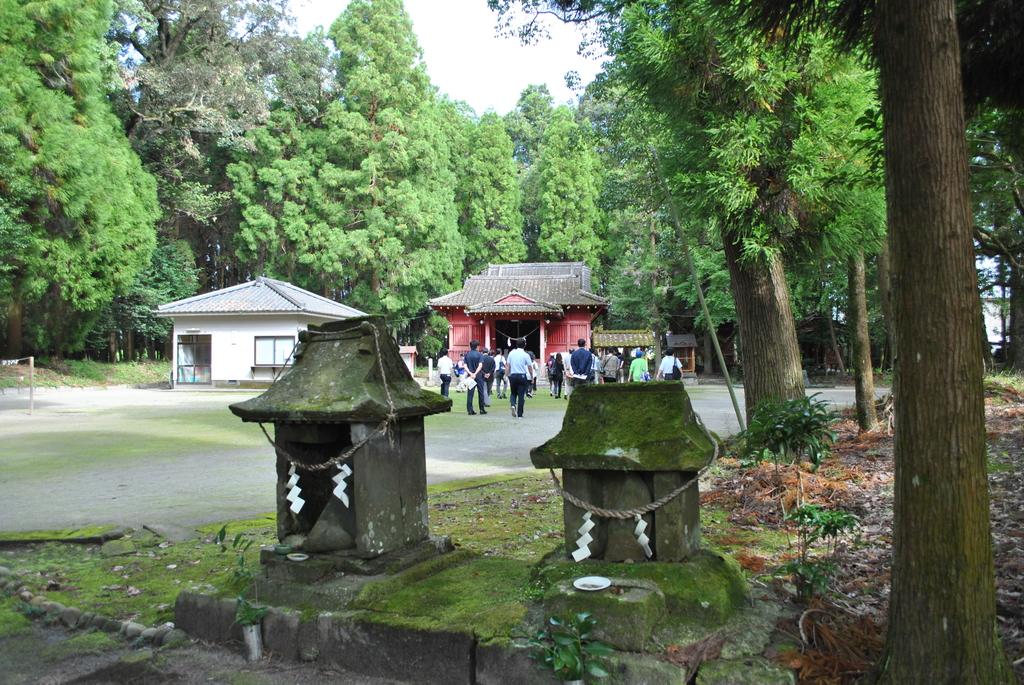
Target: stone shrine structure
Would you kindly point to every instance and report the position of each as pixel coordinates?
(351, 465)
(622, 447)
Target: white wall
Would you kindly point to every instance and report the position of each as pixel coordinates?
(232, 341)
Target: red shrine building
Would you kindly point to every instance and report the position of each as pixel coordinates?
(549, 305)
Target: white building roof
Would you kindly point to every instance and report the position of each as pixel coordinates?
(262, 296)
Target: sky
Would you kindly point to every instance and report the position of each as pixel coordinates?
(467, 60)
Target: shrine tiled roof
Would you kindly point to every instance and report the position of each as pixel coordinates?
(556, 285)
(262, 296)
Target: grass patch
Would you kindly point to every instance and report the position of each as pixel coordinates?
(84, 373)
(142, 584)
(12, 621)
(518, 518)
(94, 642)
(57, 535)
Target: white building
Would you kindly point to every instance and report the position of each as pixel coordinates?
(243, 335)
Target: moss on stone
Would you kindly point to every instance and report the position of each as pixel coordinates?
(626, 618)
(336, 378)
(750, 671)
(480, 596)
(708, 588)
(628, 427)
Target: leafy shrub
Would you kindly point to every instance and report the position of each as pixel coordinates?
(568, 650)
(790, 430)
(813, 523)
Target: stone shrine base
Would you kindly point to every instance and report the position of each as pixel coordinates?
(430, 617)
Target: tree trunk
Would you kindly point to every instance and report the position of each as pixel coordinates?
(129, 345)
(857, 318)
(112, 347)
(942, 619)
(1015, 351)
(885, 297)
(15, 317)
(830, 322)
(709, 351)
(771, 356)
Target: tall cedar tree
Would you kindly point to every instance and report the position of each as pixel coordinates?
(74, 201)
(487, 195)
(361, 199)
(525, 126)
(569, 181)
(758, 134)
(942, 620)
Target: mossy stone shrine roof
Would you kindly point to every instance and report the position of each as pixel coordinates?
(628, 427)
(336, 379)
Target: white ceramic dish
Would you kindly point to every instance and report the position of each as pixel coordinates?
(591, 583)
(297, 556)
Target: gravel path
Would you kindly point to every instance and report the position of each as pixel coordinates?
(130, 457)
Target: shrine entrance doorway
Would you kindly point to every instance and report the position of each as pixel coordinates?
(518, 328)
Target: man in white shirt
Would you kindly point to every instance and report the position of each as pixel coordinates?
(444, 371)
(666, 370)
(520, 374)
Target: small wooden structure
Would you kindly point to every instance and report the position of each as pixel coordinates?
(351, 464)
(684, 347)
(622, 447)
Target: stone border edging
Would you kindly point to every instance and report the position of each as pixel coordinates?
(72, 618)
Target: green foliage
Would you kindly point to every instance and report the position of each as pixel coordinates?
(571, 223)
(568, 649)
(360, 202)
(813, 524)
(75, 204)
(242, 575)
(249, 614)
(487, 196)
(790, 430)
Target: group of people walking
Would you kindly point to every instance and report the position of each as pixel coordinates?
(515, 371)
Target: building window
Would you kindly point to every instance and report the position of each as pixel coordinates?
(193, 359)
(273, 350)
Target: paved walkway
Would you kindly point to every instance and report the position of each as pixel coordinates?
(129, 457)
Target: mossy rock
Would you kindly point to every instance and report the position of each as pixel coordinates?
(706, 589)
(751, 671)
(628, 427)
(626, 613)
(484, 597)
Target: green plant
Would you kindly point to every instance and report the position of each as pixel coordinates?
(814, 523)
(248, 614)
(567, 648)
(242, 575)
(790, 430)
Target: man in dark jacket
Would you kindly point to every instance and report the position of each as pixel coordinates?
(580, 362)
(488, 369)
(474, 367)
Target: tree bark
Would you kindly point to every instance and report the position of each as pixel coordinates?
(1015, 351)
(771, 356)
(857, 317)
(15, 317)
(942, 619)
(709, 352)
(885, 296)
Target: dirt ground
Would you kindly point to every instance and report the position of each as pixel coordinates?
(45, 655)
